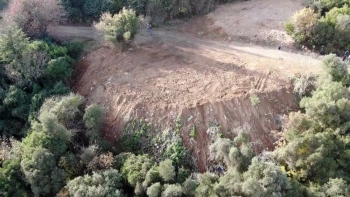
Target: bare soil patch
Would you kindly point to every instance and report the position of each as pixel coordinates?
(257, 20)
(181, 74)
(198, 82)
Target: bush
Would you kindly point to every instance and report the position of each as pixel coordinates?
(59, 69)
(172, 190)
(335, 67)
(119, 28)
(11, 179)
(93, 118)
(152, 176)
(189, 187)
(67, 109)
(322, 34)
(135, 168)
(342, 30)
(99, 184)
(33, 16)
(167, 170)
(154, 190)
(265, 179)
(42, 174)
(301, 24)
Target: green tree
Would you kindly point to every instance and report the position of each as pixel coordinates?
(154, 190)
(41, 172)
(207, 182)
(99, 184)
(134, 170)
(172, 190)
(235, 154)
(189, 187)
(265, 179)
(167, 170)
(119, 28)
(11, 179)
(301, 25)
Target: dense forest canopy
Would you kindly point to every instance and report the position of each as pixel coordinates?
(322, 23)
(52, 142)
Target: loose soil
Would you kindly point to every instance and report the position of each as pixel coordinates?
(178, 75)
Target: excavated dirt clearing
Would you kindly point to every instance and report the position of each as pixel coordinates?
(165, 81)
(171, 76)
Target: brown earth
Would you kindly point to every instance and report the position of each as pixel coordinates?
(172, 76)
(182, 75)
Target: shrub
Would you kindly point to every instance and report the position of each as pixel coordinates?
(11, 179)
(152, 176)
(59, 69)
(93, 118)
(323, 33)
(88, 153)
(154, 190)
(172, 190)
(332, 15)
(33, 16)
(135, 168)
(254, 99)
(42, 174)
(342, 30)
(206, 181)
(167, 170)
(99, 184)
(265, 179)
(67, 109)
(189, 187)
(302, 24)
(119, 28)
(329, 4)
(335, 67)
(13, 43)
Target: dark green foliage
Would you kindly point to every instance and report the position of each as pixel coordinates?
(330, 29)
(32, 71)
(93, 118)
(137, 5)
(42, 173)
(11, 179)
(59, 69)
(74, 48)
(265, 179)
(189, 187)
(3, 4)
(135, 168)
(94, 8)
(158, 10)
(319, 141)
